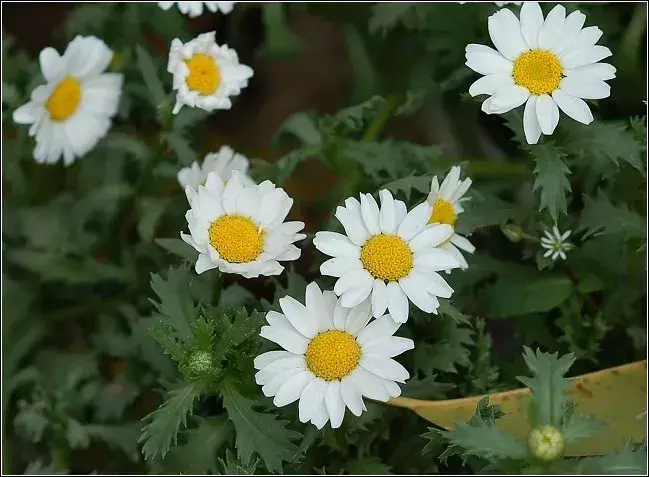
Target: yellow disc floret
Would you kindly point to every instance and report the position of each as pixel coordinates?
(332, 355)
(236, 238)
(443, 213)
(204, 75)
(387, 257)
(539, 71)
(65, 99)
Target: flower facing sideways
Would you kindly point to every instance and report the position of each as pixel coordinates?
(195, 9)
(387, 253)
(74, 109)
(241, 229)
(223, 162)
(332, 357)
(206, 75)
(446, 202)
(555, 243)
(547, 64)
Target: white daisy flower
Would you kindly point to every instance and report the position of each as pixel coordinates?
(555, 243)
(195, 9)
(446, 202)
(74, 109)
(205, 74)
(223, 162)
(241, 229)
(389, 254)
(333, 357)
(547, 64)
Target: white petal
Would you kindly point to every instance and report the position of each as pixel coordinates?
(570, 31)
(485, 60)
(574, 58)
(292, 389)
(379, 328)
(531, 22)
(335, 245)
(489, 84)
(297, 314)
(547, 114)
(293, 361)
(265, 359)
(379, 298)
(418, 295)
(358, 317)
(415, 221)
(51, 64)
(288, 339)
(436, 285)
(436, 259)
(505, 33)
(320, 415)
(595, 71)
(354, 280)
(335, 404)
(389, 347)
(574, 107)
(28, 113)
(356, 296)
(272, 387)
(586, 37)
(531, 125)
(353, 225)
(451, 181)
(370, 212)
(593, 89)
(387, 214)
(318, 307)
(550, 32)
(340, 316)
(368, 384)
(397, 303)
(431, 237)
(385, 368)
(462, 243)
(391, 387)
(311, 399)
(338, 266)
(508, 98)
(351, 396)
(203, 263)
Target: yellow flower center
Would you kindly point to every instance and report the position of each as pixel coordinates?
(204, 75)
(65, 99)
(236, 238)
(333, 355)
(443, 213)
(387, 257)
(539, 71)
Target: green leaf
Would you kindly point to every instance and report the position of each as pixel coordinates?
(486, 442)
(547, 385)
(281, 170)
(580, 427)
(352, 118)
(188, 117)
(176, 306)
(30, 422)
(162, 424)
(426, 388)
(240, 330)
(366, 79)
(386, 16)
(514, 295)
(367, 466)
(123, 437)
(181, 147)
(118, 141)
(260, 433)
(232, 466)
(280, 41)
(150, 211)
(551, 178)
(624, 462)
(448, 350)
(150, 76)
(76, 434)
(408, 183)
(303, 126)
(601, 217)
(178, 247)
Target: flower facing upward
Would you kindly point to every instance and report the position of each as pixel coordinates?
(389, 254)
(333, 357)
(241, 229)
(205, 74)
(548, 64)
(446, 202)
(195, 9)
(555, 243)
(223, 162)
(74, 109)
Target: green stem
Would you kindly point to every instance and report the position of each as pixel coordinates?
(376, 126)
(60, 456)
(218, 287)
(590, 303)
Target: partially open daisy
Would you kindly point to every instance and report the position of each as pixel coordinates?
(195, 9)
(333, 357)
(389, 254)
(555, 243)
(446, 202)
(547, 64)
(223, 162)
(74, 109)
(241, 229)
(205, 74)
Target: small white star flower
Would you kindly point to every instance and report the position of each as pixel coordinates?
(195, 9)
(555, 243)
(333, 357)
(223, 162)
(206, 75)
(446, 202)
(74, 109)
(389, 253)
(547, 64)
(241, 229)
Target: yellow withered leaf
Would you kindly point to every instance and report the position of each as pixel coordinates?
(616, 396)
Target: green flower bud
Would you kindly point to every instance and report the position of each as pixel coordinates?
(513, 232)
(200, 362)
(546, 443)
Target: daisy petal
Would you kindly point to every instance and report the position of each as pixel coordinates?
(385, 368)
(352, 398)
(547, 114)
(311, 399)
(292, 389)
(593, 89)
(299, 317)
(508, 98)
(505, 33)
(489, 84)
(288, 339)
(415, 221)
(531, 22)
(397, 303)
(382, 327)
(335, 404)
(531, 124)
(379, 298)
(550, 32)
(485, 60)
(574, 107)
(574, 58)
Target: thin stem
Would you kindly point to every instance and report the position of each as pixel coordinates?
(376, 126)
(592, 307)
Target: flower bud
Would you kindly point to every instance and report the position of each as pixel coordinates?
(512, 231)
(200, 363)
(546, 443)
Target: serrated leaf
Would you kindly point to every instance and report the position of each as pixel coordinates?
(449, 350)
(352, 118)
(547, 385)
(579, 427)
(242, 328)
(162, 425)
(407, 184)
(601, 217)
(178, 247)
(551, 179)
(175, 306)
(150, 76)
(181, 147)
(624, 462)
(260, 433)
(367, 466)
(281, 170)
(426, 388)
(150, 211)
(487, 442)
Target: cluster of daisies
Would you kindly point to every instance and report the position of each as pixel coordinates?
(338, 346)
